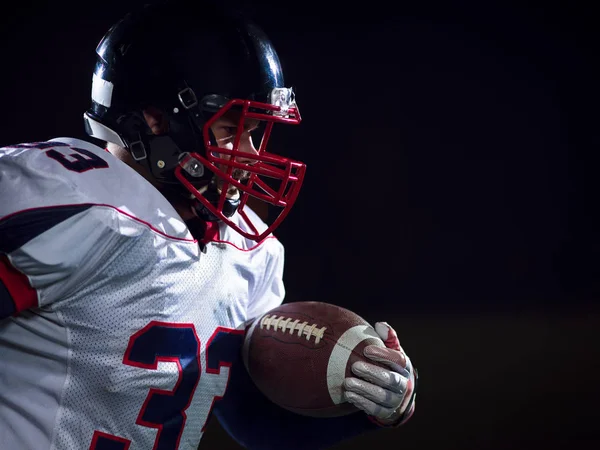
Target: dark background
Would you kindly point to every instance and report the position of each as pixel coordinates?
(451, 190)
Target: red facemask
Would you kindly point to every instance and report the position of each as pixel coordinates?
(273, 179)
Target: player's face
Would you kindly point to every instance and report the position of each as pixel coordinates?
(225, 130)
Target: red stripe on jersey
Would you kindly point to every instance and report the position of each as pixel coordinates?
(18, 285)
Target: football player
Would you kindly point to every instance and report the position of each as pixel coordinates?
(128, 272)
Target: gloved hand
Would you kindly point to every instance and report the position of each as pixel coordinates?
(386, 395)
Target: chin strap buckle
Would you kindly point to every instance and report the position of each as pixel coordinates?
(137, 149)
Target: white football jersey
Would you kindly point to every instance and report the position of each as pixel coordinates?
(109, 340)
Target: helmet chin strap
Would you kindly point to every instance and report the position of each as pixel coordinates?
(212, 194)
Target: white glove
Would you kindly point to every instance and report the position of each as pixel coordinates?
(385, 395)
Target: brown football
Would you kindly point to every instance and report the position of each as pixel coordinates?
(298, 355)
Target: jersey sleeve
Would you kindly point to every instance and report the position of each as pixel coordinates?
(16, 293)
(51, 235)
(67, 207)
(48, 253)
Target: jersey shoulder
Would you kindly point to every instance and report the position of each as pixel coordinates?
(67, 172)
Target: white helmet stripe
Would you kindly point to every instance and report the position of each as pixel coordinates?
(102, 91)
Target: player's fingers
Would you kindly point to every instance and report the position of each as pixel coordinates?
(380, 376)
(394, 359)
(377, 394)
(388, 335)
(368, 406)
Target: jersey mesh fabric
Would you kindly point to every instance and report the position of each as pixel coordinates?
(159, 281)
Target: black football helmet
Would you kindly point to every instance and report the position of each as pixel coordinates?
(196, 64)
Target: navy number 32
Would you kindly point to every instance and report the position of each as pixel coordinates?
(165, 410)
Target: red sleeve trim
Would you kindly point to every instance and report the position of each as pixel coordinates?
(18, 286)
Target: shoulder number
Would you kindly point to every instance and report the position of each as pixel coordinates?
(80, 161)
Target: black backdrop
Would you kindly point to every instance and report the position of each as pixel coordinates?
(451, 186)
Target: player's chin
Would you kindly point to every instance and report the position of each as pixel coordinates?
(233, 193)
(241, 176)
